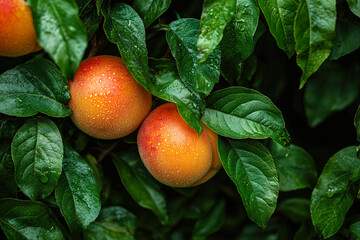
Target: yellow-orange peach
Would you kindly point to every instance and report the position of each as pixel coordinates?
(17, 32)
(106, 100)
(172, 151)
(216, 162)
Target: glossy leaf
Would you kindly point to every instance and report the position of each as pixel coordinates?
(124, 27)
(314, 33)
(214, 18)
(238, 38)
(7, 181)
(354, 6)
(77, 193)
(60, 32)
(333, 194)
(182, 36)
(280, 16)
(140, 184)
(33, 87)
(251, 167)
(88, 14)
(331, 89)
(240, 113)
(168, 86)
(347, 37)
(37, 152)
(113, 223)
(150, 10)
(28, 220)
(296, 170)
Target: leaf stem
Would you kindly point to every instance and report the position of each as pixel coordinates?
(106, 151)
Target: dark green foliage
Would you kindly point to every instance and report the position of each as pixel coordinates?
(291, 167)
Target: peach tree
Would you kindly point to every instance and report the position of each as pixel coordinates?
(255, 72)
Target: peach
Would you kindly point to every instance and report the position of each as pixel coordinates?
(107, 102)
(17, 32)
(216, 162)
(172, 151)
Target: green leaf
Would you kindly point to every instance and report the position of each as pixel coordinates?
(297, 209)
(357, 123)
(88, 14)
(28, 220)
(354, 6)
(240, 113)
(333, 194)
(168, 85)
(296, 170)
(314, 33)
(113, 223)
(280, 16)
(182, 36)
(7, 180)
(238, 39)
(77, 193)
(60, 32)
(347, 37)
(140, 184)
(251, 167)
(332, 89)
(32, 87)
(124, 27)
(37, 152)
(210, 222)
(355, 230)
(216, 14)
(150, 10)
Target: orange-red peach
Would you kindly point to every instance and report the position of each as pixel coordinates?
(173, 152)
(107, 102)
(17, 31)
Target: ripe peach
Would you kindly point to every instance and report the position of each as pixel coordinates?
(17, 32)
(216, 162)
(106, 100)
(172, 151)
